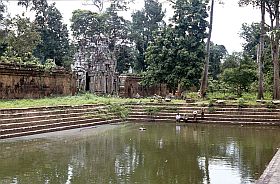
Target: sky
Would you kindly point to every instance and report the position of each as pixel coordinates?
(227, 22)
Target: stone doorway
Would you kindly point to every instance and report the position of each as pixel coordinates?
(87, 82)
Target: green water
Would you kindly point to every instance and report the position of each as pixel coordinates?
(163, 154)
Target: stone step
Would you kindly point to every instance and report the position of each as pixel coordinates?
(47, 108)
(245, 112)
(262, 115)
(236, 122)
(206, 108)
(88, 112)
(60, 128)
(203, 122)
(214, 112)
(47, 121)
(241, 119)
(50, 124)
(214, 109)
(48, 112)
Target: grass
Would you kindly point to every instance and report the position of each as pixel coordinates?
(88, 98)
(230, 98)
(67, 100)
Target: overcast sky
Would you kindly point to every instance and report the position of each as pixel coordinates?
(228, 18)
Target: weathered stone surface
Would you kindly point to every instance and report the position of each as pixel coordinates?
(95, 66)
(130, 88)
(30, 82)
(220, 102)
(276, 102)
(271, 174)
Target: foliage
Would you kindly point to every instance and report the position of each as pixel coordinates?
(3, 29)
(251, 35)
(119, 110)
(239, 73)
(176, 55)
(120, 5)
(241, 102)
(144, 23)
(231, 60)
(216, 85)
(107, 29)
(211, 109)
(211, 103)
(87, 98)
(271, 105)
(2, 10)
(192, 95)
(55, 42)
(217, 53)
(22, 38)
(153, 110)
(239, 79)
(54, 34)
(49, 64)
(126, 56)
(86, 24)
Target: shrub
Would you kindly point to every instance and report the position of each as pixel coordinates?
(241, 102)
(211, 109)
(120, 111)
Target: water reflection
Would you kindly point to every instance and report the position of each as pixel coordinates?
(122, 154)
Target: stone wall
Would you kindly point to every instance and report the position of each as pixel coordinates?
(30, 82)
(130, 86)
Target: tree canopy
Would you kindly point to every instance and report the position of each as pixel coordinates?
(176, 55)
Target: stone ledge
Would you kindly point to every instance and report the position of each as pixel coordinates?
(271, 175)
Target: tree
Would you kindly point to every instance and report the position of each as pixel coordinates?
(204, 79)
(118, 4)
(55, 39)
(2, 10)
(260, 54)
(240, 74)
(175, 57)
(144, 23)
(160, 58)
(3, 29)
(217, 53)
(232, 60)
(117, 28)
(125, 56)
(55, 42)
(22, 37)
(251, 35)
(90, 29)
(272, 7)
(256, 46)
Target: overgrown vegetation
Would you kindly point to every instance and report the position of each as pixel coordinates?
(79, 99)
(161, 53)
(119, 110)
(153, 110)
(110, 111)
(241, 102)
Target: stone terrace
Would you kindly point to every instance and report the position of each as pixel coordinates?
(215, 114)
(28, 121)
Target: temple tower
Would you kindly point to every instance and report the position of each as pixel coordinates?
(95, 66)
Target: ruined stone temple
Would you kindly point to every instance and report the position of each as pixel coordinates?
(95, 67)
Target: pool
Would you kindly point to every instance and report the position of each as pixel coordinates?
(162, 154)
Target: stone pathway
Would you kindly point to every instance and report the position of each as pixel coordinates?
(271, 174)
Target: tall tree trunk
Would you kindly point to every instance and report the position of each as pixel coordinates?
(204, 79)
(260, 54)
(275, 54)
